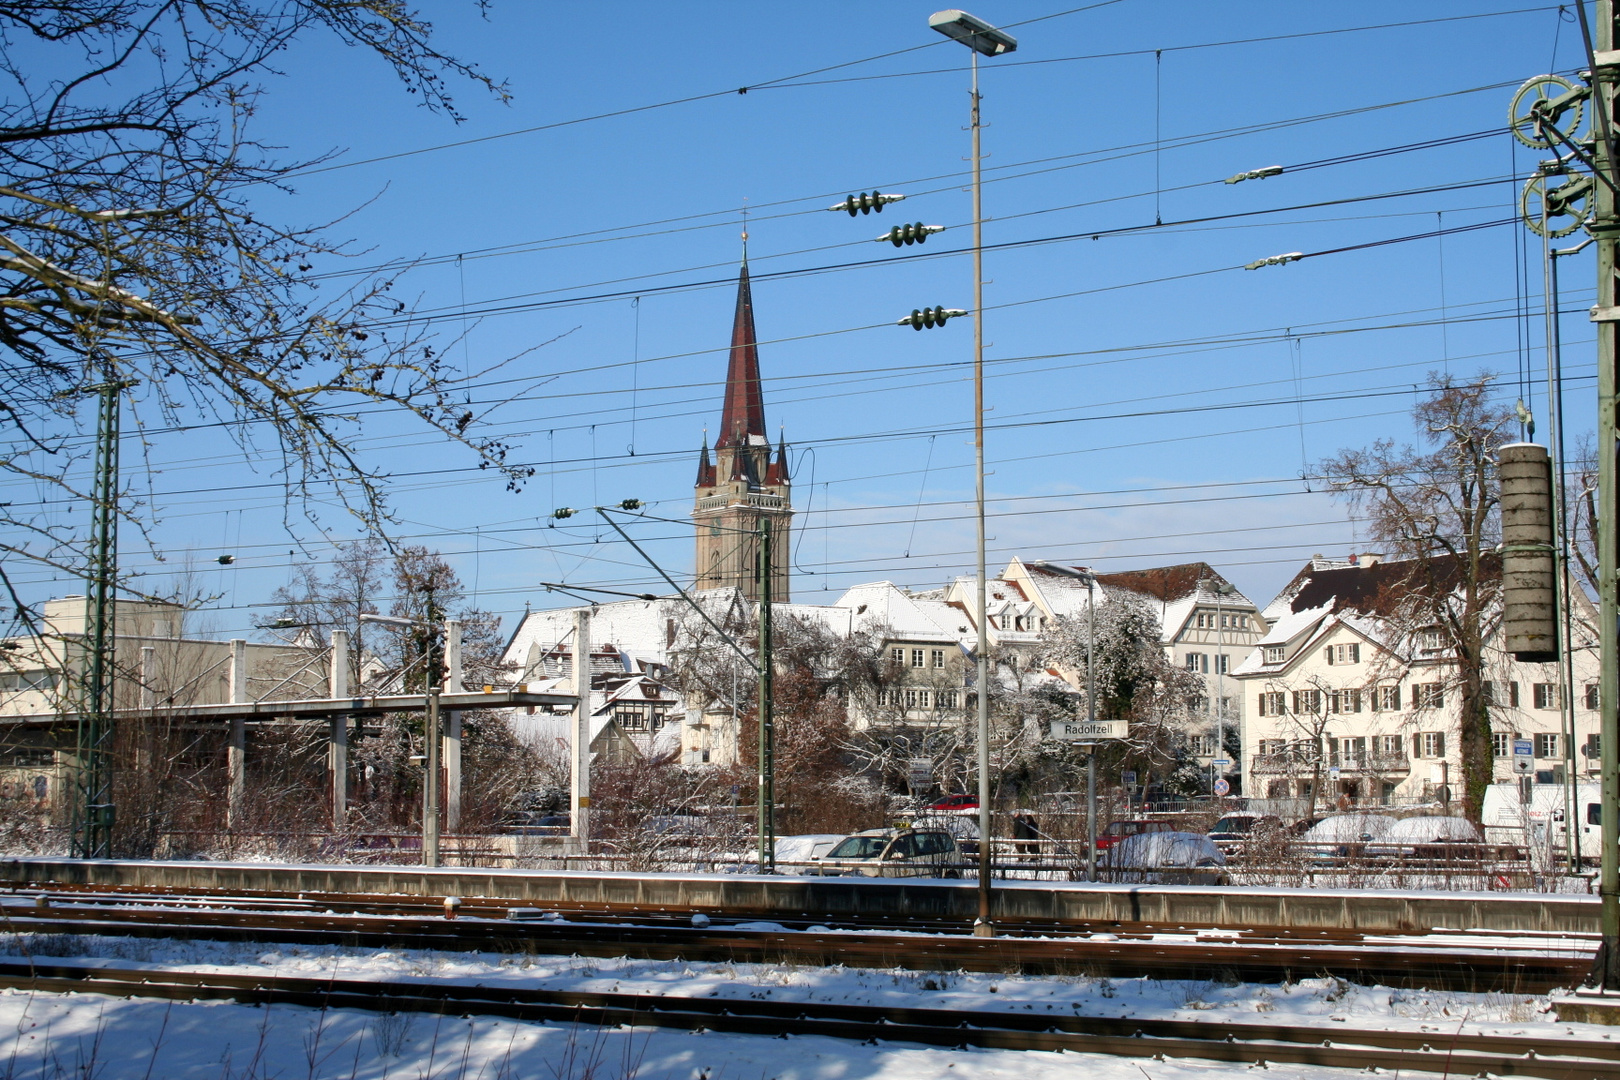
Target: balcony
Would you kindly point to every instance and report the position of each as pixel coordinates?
(756, 499)
(1370, 762)
(1301, 760)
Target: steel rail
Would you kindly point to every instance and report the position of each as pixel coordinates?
(1448, 1052)
(1524, 970)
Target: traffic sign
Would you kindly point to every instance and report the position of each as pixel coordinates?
(1128, 778)
(1523, 757)
(1221, 763)
(1222, 787)
(921, 772)
(1088, 730)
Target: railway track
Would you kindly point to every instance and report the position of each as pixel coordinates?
(1477, 962)
(592, 912)
(1452, 1053)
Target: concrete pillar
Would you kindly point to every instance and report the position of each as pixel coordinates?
(144, 726)
(148, 678)
(579, 750)
(235, 756)
(338, 689)
(452, 726)
(452, 771)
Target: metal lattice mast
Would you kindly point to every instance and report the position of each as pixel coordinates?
(767, 724)
(93, 806)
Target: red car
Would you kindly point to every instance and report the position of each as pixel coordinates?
(955, 804)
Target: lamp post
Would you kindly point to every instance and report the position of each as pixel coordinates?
(1090, 580)
(980, 37)
(431, 735)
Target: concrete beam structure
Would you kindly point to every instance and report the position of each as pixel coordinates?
(314, 708)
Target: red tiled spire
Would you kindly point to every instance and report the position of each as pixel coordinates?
(744, 412)
(705, 467)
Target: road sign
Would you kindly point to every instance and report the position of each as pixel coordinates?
(1221, 763)
(921, 772)
(1128, 778)
(1523, 757)
(1088, 731)
(1333, 773)
(1222, 787)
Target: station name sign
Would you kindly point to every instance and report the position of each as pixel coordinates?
(1092, 731)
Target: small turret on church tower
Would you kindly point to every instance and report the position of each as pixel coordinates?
(746, 481)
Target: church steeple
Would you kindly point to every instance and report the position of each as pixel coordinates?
(742, 419)
(743, 484)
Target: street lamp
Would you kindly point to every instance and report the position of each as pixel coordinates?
(431, 735)
(1090, 580)
(980, 37)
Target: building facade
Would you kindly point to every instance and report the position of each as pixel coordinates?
(1354, 702)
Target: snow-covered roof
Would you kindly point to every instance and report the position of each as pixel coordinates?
(1292, 626)
(552, 733)
(886, 604)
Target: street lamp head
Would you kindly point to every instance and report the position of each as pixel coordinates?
(1066, 571)
(393, 620)
(976, 34)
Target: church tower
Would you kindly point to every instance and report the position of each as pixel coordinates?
(745, 482)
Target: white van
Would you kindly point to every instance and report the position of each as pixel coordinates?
(1538, 823)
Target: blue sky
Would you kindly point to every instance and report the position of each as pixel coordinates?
(1152, 402)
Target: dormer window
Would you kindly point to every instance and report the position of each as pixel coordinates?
(1431, 639)
(1274, 654)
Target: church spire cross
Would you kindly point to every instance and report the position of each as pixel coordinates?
(742, 421)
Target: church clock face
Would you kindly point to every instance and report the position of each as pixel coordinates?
(714, 530)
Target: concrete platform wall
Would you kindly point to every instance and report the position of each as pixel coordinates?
(1371, 911)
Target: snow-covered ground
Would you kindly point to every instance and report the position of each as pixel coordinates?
(50, 1036)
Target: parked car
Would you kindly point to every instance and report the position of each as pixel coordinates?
(1165, 858)
(891, 853)
(1235, 830)
(955, 804)
(1115, 831)
(1343, 836)
(1428, 838)
(792, 852)
(965, 828)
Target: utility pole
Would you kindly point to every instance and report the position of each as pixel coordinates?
(579, 745)
(1605, 227)
(1540, 107)
(767, 720)
(93, 809)
(431, 743)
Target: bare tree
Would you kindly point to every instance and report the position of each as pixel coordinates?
(1136, 681)
(132, 250)
(818, 672)
(1436, 504)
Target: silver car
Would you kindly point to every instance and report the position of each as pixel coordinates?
(892, 853)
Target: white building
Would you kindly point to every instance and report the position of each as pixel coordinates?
(1351, 704)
